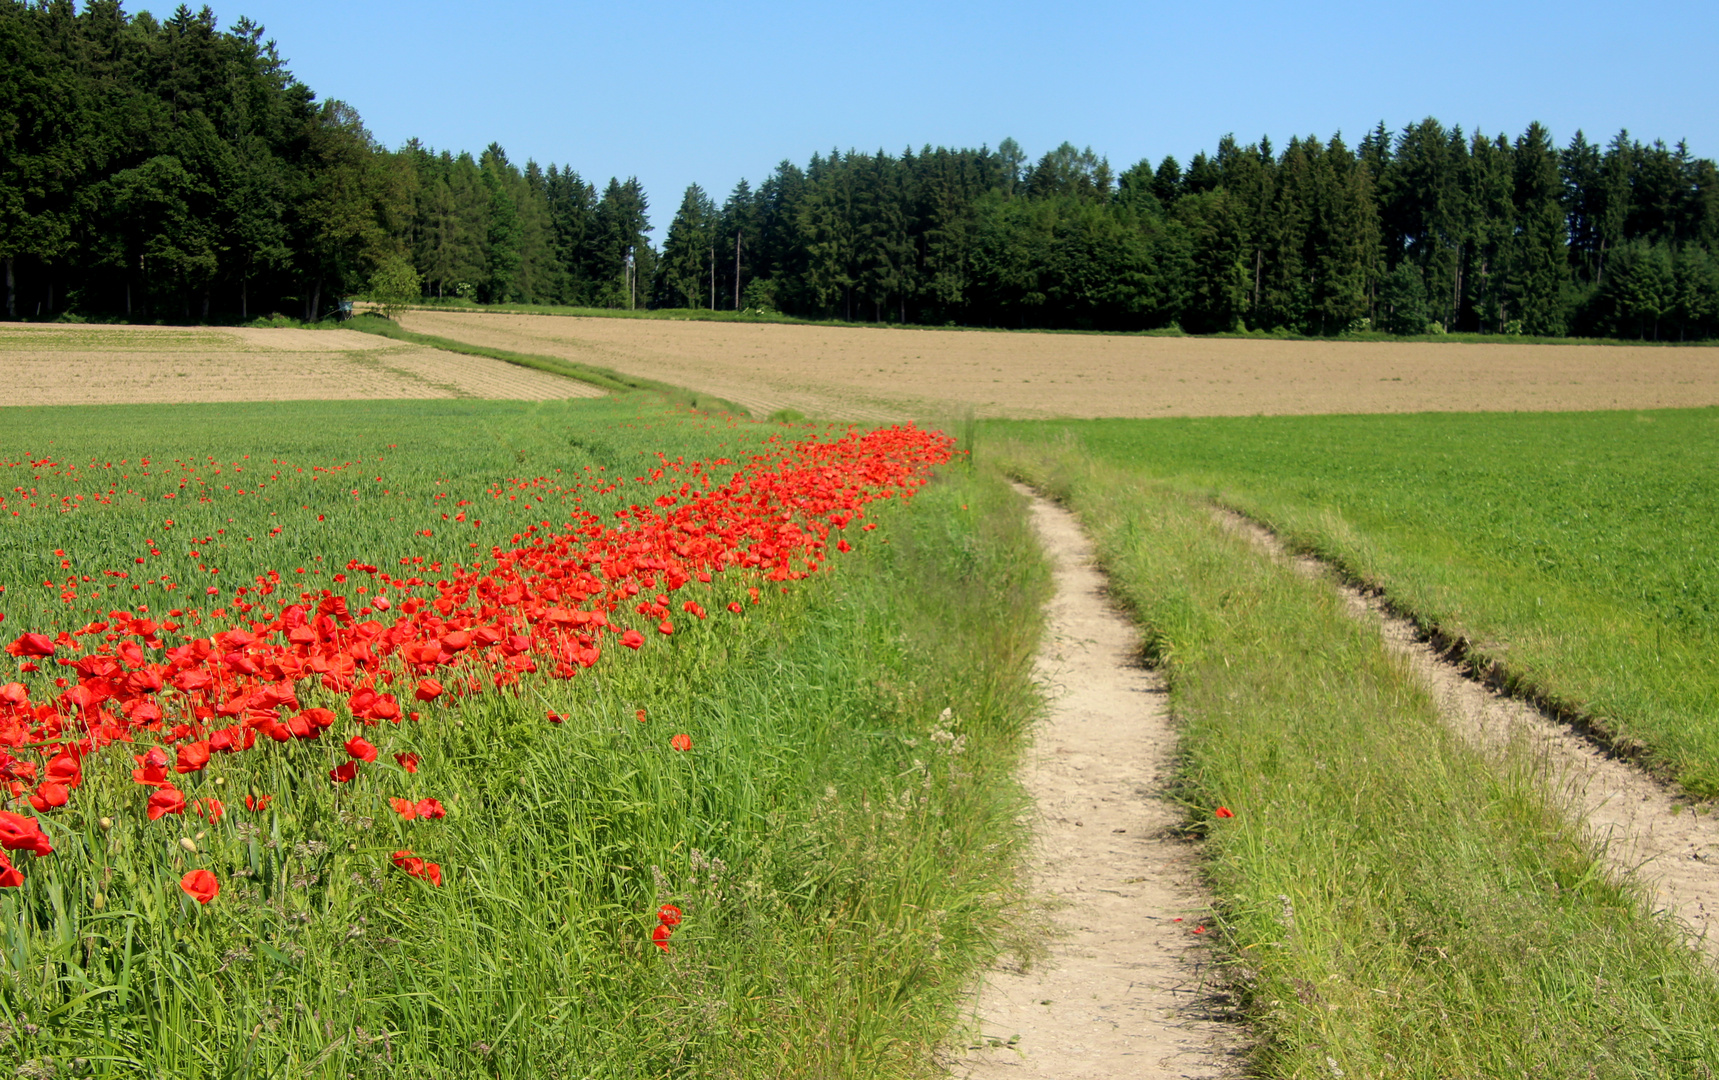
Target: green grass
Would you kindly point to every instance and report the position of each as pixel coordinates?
(1573, 550)
(1392, 903)
(842, 874)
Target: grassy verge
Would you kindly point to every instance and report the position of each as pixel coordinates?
(841, 873)
(1393, 904)
(1571, 553)
(602, 377)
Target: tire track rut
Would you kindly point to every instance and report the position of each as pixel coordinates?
(1645, 829)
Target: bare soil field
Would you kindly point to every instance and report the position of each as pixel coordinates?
(102, 365)
(883, 374)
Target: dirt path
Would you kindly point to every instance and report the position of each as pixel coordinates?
(1646, 829)
(1124, 990)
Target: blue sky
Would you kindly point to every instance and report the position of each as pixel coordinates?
(677, 93)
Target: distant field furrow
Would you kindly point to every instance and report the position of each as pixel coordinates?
(877, 373)
(103, 365)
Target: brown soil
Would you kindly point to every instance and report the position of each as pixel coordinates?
(102, 365)
(1645, 831)
(1124, 989)
(892, 373)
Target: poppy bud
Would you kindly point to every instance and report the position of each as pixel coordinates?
(188, 844)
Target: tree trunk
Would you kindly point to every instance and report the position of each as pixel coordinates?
(11, 295)
(313, 306)
(205, 316)
(737, 235)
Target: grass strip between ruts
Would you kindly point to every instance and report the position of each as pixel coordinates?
(600, 377)
(1393, 903)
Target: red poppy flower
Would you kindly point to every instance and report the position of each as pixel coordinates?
(344, 774)
(660, 936)
(668, 915)
(418, 868)
(641, 715)
(409, 762)
(32, 645)
(65, 769)
(1223, 811)
(20, 833)
(153, 771)
(201, 886)
(192, 757)
(632, 639)
(428, 690)
(210, 808)
(734, 606)
(10, 876)
(360, 748)
(166, 800)
(49, 795)
(683, 741)
(555, 717)
(404, 808)
(430, 809)
(258, 803)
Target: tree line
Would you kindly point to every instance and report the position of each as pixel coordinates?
(170, 170)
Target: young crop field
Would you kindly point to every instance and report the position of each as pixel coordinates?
(878, 373)
(482, 738)
(1575, 550)
(97, 365)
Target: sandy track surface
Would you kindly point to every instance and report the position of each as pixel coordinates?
(1124, 991)
(869, 373)
(101, 365)
(1644, 829)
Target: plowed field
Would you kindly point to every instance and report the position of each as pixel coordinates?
(878, 374)
(104, 365)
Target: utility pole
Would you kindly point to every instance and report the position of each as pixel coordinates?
(737, 235)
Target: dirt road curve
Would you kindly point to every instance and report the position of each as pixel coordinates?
(104, 365)
(885, 374)
(1123, 991)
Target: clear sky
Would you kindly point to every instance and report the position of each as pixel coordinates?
(677, 93)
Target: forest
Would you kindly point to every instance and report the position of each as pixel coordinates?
(172, 171)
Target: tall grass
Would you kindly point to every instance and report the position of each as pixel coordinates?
(841, 874)
(1393, 904)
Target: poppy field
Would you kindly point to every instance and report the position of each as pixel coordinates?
(484, 738)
